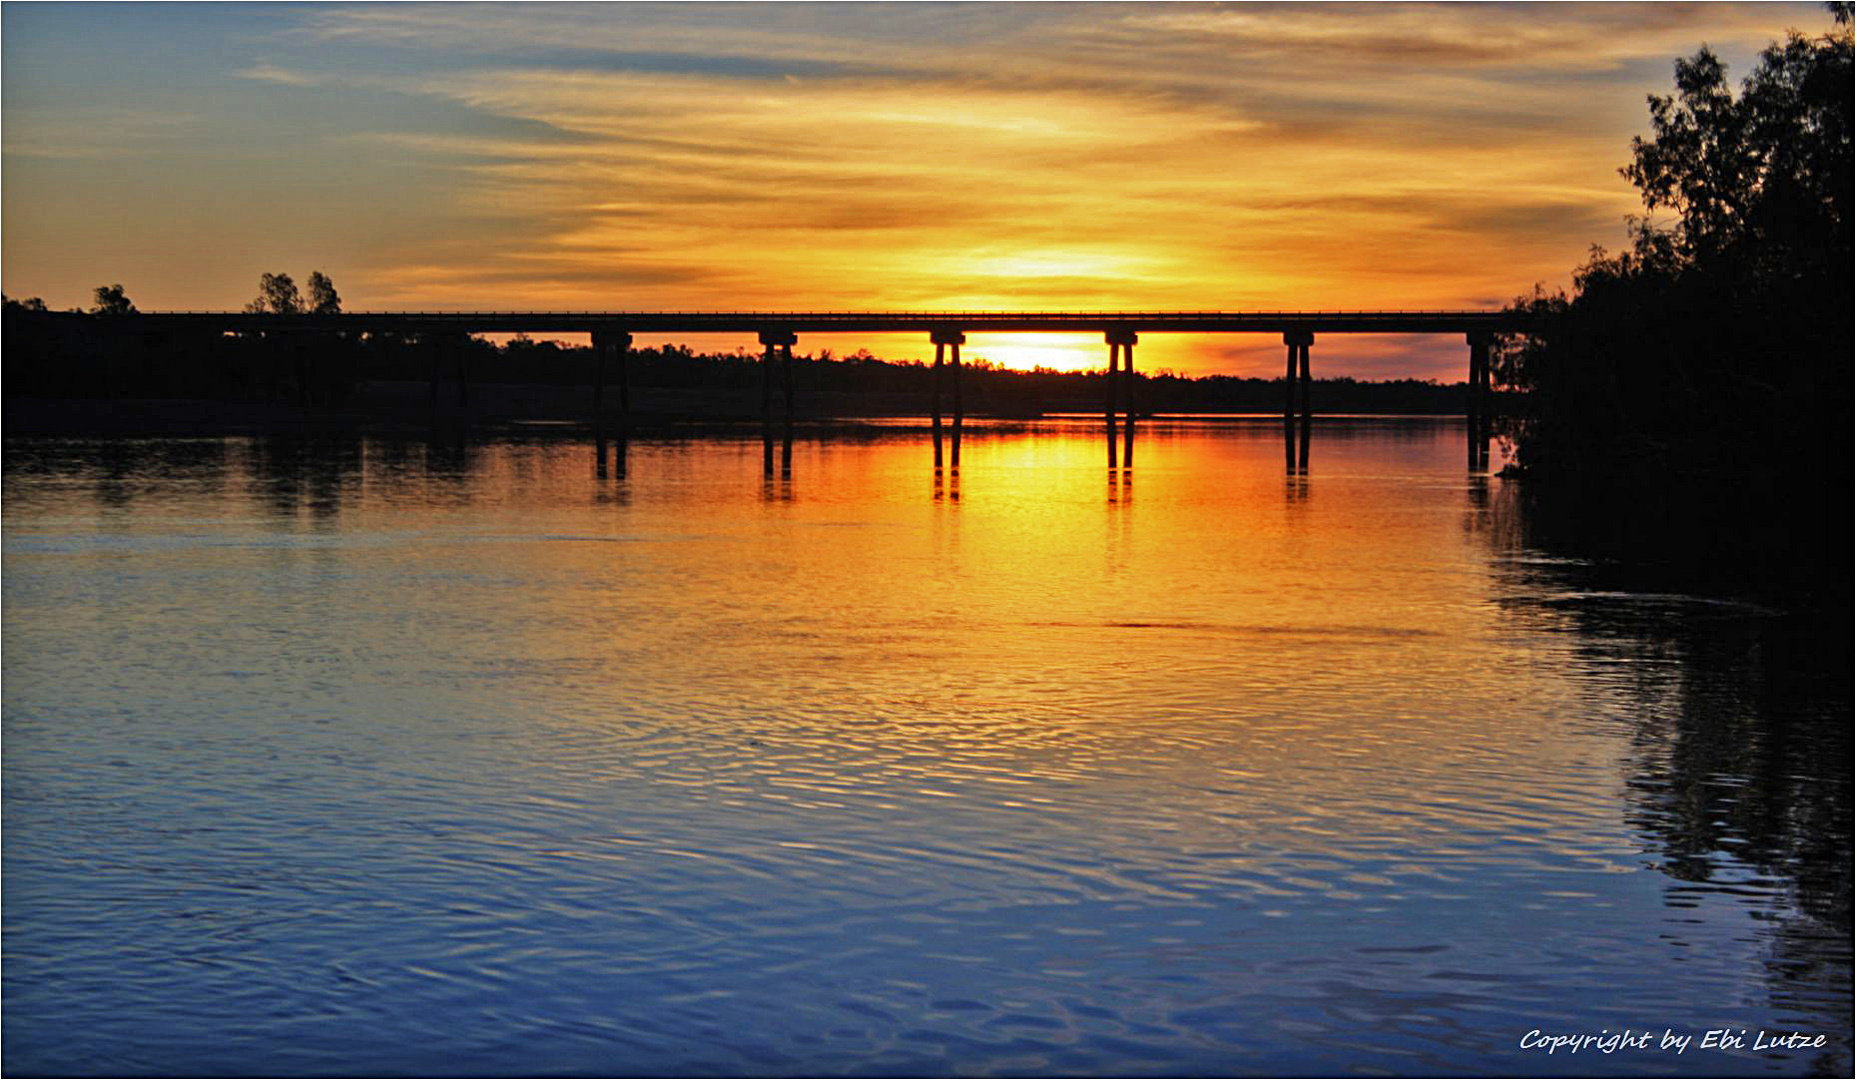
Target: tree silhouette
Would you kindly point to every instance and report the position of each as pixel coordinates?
(1716, 349)
(322, 296)
(277, 295)
(112, 301)
(1757, 177)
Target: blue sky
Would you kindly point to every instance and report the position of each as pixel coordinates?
(887, 156)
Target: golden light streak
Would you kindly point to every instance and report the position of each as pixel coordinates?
(1011, 157)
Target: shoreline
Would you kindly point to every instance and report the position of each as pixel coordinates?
(537, 410)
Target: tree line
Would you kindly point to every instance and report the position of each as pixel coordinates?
(1717, 346)
(277, 294)
(1691, 395)
(100, 357)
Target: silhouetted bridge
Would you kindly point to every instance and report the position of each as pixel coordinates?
(778, 331)
(839, 322)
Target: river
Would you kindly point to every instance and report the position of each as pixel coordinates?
(332, 755)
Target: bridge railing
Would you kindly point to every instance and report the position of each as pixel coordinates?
(1326, 320)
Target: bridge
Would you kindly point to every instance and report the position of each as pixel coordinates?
(778, 331)
(838, 322)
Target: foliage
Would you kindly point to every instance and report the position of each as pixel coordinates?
(1761, 183)
(110, 301)
(322, 296)
(277, 295)
(1717, 348)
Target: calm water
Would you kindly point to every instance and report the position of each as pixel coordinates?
(374, 756)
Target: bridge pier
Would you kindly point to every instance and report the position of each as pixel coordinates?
(267, 347)
(1125, 341)
(935, 403)
(1297, 382)
(960, 412)
(1488, 392)
(778, 344)
(1298, 342)
(1477, 422)
(945, 339)
(1308, 412)
(614, 344)
(1290, 339)
(1109, 393)
(786, 435)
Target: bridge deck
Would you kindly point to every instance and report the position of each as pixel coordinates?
(1333, 322)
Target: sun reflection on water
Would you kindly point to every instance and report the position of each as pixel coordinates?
(416, 749)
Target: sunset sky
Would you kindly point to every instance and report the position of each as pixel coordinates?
(991, 156)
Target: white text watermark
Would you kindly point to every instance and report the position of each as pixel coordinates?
(1607, 1041)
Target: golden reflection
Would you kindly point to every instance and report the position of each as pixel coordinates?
(1270, 660)
(1121, 487)
(948, 485)
(1206, 572)
(777, 489)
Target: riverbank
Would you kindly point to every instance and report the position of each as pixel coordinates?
(407, 407)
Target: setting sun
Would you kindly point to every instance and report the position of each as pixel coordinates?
(926, 539)
(1016, 157)
(1026, 352)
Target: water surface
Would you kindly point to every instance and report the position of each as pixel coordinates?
(362, 755)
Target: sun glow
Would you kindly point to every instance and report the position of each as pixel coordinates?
(1026, 352)
(998, 157)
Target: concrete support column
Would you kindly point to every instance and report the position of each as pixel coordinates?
(767, 384)
(610, 344)
(935, 406)
(1297, 342)
(786, 380)
(1471, 380)
(1125, 341)
(1109, 396)
(1477, 402)
(1308, 413)
(1289, 378)
(960, 411)
(776, 343)
(1486, 394)
(786, 431)
(951, 341)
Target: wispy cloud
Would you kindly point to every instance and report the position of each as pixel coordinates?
(94, 133)
(271, 73)
(996, 155)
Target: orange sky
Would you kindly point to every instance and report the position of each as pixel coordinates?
(850, 156)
